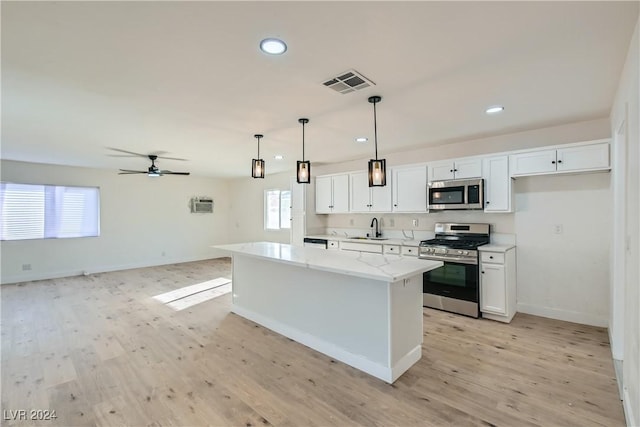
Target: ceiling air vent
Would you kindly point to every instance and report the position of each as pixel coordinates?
(348, 81)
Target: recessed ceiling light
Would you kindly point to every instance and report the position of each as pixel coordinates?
(494, 109)
(362, 139)
(278, 157)
(273, 46)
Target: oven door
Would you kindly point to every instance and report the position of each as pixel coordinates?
(453, 280)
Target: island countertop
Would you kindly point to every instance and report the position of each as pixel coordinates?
(387, 268)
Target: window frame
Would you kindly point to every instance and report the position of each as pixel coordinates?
(280, 219)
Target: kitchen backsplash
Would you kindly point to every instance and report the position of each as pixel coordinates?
(500, 222)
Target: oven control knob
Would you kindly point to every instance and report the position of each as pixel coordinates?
(465, 253)
(460, 252)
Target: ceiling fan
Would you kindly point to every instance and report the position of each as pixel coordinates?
(153, 170)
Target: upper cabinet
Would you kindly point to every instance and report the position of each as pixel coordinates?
(332, 194)
(576, 158)
(406, 189)
(455, 169)
(410, 189)
(497, 184)
(368, 199)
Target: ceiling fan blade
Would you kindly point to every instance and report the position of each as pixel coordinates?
(164, 172)
(127, 171)
(132, 153)
(171, 158)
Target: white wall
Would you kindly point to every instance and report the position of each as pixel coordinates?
(144, 221)
(625, 332)
(246, 208)
(564, 276)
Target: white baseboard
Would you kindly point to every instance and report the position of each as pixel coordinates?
(33, 276)
(632, 421)
(385, 373)
(566, 315)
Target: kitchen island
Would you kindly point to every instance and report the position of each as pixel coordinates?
(362, 309)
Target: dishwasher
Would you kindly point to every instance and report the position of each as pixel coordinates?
(310, 242)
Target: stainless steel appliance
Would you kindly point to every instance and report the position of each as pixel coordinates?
(456, 194)
(312, 242)
(454, 286)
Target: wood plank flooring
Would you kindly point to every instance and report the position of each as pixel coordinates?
(99, 350)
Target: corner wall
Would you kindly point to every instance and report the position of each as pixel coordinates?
(143, 222)
(625, 328)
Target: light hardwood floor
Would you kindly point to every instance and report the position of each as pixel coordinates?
(100, 351)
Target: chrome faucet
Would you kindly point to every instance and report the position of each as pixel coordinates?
(378, 233)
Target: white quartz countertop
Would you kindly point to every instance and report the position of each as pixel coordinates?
(387, 268)
(390, 241)
(492, 247)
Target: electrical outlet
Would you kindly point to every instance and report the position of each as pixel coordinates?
(414, 222)
(557, 229)
(392, 222)
(350, 221)
(26, 267)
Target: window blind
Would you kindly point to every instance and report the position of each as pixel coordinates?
(48, 211)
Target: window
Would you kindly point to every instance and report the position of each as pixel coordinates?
(48, 211)
(277, 209)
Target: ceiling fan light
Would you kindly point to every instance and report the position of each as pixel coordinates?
(377, 173)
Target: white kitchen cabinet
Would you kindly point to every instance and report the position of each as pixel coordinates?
(332, 194)
(409, 189)
(576, 158)
(368, 199)
(409, 250)
(498, 284)
(391, 249)
(455, 169)
(498, 187)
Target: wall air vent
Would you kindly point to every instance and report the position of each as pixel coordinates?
(201, 205)
(348, 81)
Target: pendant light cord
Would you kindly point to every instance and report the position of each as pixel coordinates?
(258, 138)
(303, 141)
(375, 128)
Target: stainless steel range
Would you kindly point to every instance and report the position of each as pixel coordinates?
(454, 286)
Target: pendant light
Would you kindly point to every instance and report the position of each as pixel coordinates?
(303, 167)
(257, 165)
(377, 167)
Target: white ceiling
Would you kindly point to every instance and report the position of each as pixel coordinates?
(188, 79)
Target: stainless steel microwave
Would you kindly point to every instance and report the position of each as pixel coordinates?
(456, 194)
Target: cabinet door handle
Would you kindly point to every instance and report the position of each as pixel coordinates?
(559, 161)
(488, 202)
(455, 170)
(483, 272)
(450, 170)
(490, 257)
(396, 205)
(553, 162)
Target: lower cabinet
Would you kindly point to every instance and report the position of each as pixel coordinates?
(498, 285)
